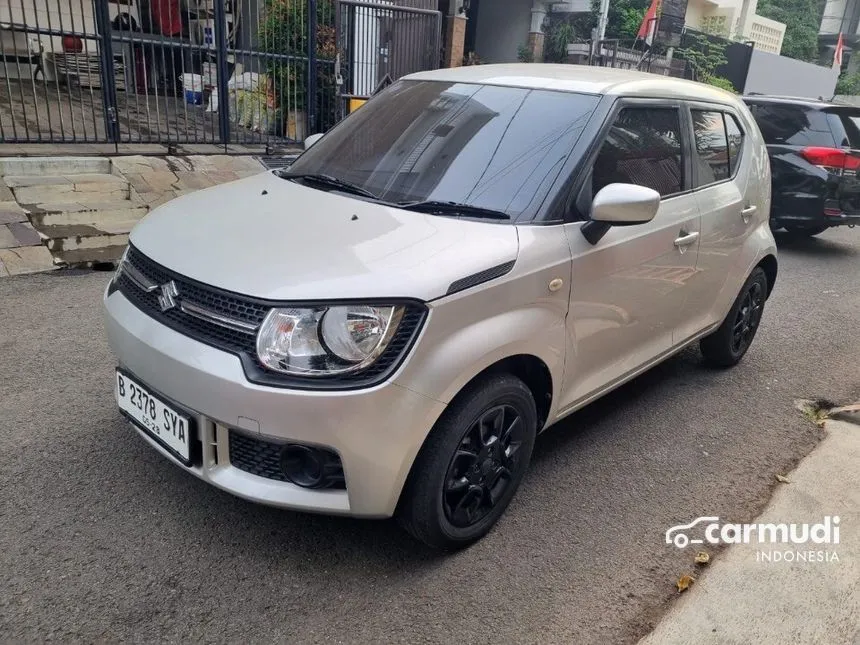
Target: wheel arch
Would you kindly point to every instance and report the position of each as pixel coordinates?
(770, 266)
(530, 369)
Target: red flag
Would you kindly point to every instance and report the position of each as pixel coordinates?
(837, 55)
(649, 22)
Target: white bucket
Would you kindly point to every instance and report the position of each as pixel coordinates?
(192, 85)
(192, 82)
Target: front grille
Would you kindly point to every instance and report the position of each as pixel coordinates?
(231, 306)
(249, 312)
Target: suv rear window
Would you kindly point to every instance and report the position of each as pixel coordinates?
(793, 125)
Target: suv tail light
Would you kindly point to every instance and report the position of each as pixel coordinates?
(833, 160)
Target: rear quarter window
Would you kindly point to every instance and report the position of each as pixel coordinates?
(793, 125)
(845, 124)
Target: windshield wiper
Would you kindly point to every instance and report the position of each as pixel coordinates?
(445, 208)
(334, 182)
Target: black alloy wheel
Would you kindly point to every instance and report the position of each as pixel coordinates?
(727, 345)
(471, 464)
(480, 470)
(748, 318)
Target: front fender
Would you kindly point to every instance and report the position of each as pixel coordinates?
(459, 357)
(465, 335)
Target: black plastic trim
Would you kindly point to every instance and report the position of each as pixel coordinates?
(479, 278)
(262, 457)
(593, 231)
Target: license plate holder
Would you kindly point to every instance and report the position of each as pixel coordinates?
(166, 424)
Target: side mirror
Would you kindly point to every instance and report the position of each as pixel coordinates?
(311, 140)
(620, 205)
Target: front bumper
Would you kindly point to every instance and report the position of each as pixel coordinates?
(377, 432)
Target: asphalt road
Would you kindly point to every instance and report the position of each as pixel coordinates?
(101, 539)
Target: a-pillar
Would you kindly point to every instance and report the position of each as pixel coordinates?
(536, 35)
(455, 34)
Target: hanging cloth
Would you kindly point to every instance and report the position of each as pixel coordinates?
(167, 16)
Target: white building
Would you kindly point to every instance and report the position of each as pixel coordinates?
(725, 18)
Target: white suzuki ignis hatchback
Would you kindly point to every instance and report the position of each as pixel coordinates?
(384, 327)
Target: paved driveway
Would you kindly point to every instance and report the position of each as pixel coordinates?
(102, 539)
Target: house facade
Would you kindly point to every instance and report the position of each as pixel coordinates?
(503, 31)
(726, 18)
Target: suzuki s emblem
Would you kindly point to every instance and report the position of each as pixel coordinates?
(169, 293)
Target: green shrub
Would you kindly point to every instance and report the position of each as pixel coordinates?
(284, 31)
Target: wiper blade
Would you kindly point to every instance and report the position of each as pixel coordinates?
(467, 210)
(328, 180)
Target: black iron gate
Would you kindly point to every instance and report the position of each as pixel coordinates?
(380, 41)
(258, 73)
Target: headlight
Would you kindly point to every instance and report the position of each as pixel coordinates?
(323, 341)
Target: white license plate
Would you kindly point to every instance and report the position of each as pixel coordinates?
(163, 423)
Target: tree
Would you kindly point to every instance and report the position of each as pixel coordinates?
(848, 84)
(705, 55)
(624, 19)
(802, 19)
(563, 29)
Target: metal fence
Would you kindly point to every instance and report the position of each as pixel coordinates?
(258, 73)
(611, 53)
(380, 41)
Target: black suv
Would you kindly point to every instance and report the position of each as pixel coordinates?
(814, 150)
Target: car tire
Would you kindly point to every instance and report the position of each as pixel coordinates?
(471, 464)
(727, 345)
(805, 231)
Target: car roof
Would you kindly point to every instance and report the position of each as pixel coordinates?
(789, 100)
(579, 78)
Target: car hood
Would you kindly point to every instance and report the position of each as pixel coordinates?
(271, 238)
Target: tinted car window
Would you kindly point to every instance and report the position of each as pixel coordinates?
(736, 141)
(642, 147)
(793, 125)
(845, 124)
(712, 150)
(493, 147)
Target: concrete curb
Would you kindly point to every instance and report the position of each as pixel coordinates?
(742, 598)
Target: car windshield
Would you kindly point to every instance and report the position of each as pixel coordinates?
(489, 147)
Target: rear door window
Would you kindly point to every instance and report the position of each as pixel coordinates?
(643, 147)
(793, 125)
(736, 141)
(712, 148)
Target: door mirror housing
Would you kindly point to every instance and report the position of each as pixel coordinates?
(620, 205)
(311, 140)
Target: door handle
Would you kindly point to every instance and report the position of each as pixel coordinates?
(686, 240)
(747, 213)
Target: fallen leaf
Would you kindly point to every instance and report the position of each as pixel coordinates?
(782, 479)
(702, 557)
(684, 583)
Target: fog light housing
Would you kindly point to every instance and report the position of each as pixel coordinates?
(310, 467)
